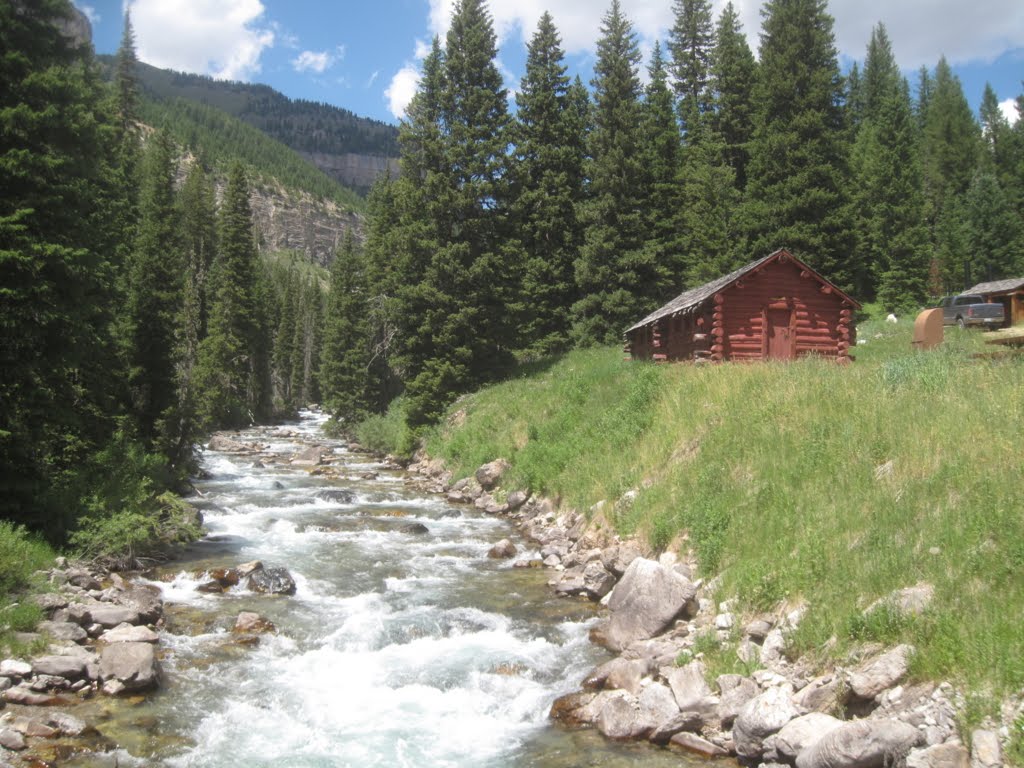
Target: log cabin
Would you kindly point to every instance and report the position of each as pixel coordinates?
(775, 308)
(1010, 293)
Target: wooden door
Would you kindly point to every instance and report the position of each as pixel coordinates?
(779, 342)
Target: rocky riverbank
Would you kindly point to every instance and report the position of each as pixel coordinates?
(663, 621)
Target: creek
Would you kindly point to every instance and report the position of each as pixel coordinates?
(398, 649)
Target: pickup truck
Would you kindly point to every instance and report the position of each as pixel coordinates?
(970, 309)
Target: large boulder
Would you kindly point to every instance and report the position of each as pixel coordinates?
(940, 756)
(63, 630)
(882, 672)
(225, 444)
(822, 694)
(15, 668)
(133, 665)
(252, 624)
(617, 674)
(126, 633)
(144, 599)
(313, 456)
(617, 557)
(986, 751)
(688, 684)
(597, 582)
(110, 616)
(271, 581)
(736, 691)
(861, 744)
(625, 717)
(69, 667)
(761, 717)
(800, 733)
(503, 550)
(694, 744)
(489, 475)
(645, 602)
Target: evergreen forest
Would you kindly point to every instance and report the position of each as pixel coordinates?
(138, 315)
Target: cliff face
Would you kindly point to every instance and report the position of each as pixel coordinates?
(288, 220)
(357, 171)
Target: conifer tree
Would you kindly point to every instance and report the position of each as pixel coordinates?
(126, 79)
(154, 295)
(733, 75)
(798, 170)
(691, 42)
(993, 233)
(344, 380)
(284, 356)
(233, 370)
(548, 186)
(616, 277)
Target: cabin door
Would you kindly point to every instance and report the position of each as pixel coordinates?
(779, 334)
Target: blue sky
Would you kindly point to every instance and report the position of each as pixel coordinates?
(364, 54)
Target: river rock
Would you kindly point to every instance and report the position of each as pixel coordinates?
(622, 718)
(145, 600)
(691, 742)
(597, 582)
(23, 694)
(271, 581)
(688, 684)
(247, 569)
(336, 495)
(822, 694)
(12, 740)
(940, 756)
(15, 668)
(681, 721)
(736, 691)
(417, 529)
(503, 550)
(80, 577)
(225, 444)
(986, 751)
(252, 623)
(861, 744)
(489, 475)
(881, 672)
(34, 728)
(63, 630)
(645, 602)
(68, 725)
(617, 557)
(579, 710)
(133, 665)
(516, 499)
(909, 601)
(127, 633)
(111, 615)
(50, 601)
(312, 456)
(617, 674)
(69, 667)
(761, 717)
(800, 733)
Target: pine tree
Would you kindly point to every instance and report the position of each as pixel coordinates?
(854, 99)
(548, 186)
(618, 281)
(344, 369)
(798, 171)
(126, 79)
(233, 370)
(59, 378)
(733, 75)
(993, 232)
(889, 219)
(283, 356)
(154, 295)
(691, 42)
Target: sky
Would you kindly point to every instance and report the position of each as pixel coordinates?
(365, 55)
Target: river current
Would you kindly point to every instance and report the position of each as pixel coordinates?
(399, 648)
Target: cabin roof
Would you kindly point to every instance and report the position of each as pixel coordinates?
(687, 300)
(998, 286)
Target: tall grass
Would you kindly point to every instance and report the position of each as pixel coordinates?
(21, 555)
(803, 481)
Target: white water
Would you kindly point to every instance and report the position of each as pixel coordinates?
(398, 649)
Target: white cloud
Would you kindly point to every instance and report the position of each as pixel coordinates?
(373, 78)
(921, 30)
(221, 38)
(402, 88)
(312, 61)
(89, 12)
(1009, 110)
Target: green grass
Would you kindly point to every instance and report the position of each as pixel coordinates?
(21, 555)
(807, 481)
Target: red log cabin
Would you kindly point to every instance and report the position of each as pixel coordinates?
(775, 308)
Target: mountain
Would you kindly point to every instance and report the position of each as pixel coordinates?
(351, 149)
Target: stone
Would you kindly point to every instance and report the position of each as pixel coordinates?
(126, 633)
(110, 616)
(681, 721)
(736, 691)
(909, 601)
(247, 569)
(271, 581)
(15, 668)
(29, 727)
(757, 629)
(252, 623)
(881, 672)
(417, 529)
(12, 740)
(312, 456)
(489, 475)
(70, 667)
(144, 599)
(801, 732)
(571, 582)
(724, 621)
(79, 613)
(68, 725)
(617, 674)
(50, 601)
(42, 683)
(940, 756)
(597, 582)
(691, 742)
(224, 444)
(622, 718)
(114, 687)
(63, 630)
(617, 558)
(336, 495)
(645, 602)
(657, 701)
(134, 665)
(823, 694)
(688, 684)
(503, 550)
(773, 647)
(80, 577)
(22, 694)
(985, 750)
(516, 499)
(761, 717)
(861, 744)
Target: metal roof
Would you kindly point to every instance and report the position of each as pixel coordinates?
(691, 298)
(998, 286)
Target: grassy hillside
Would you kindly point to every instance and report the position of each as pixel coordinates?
(806, 481)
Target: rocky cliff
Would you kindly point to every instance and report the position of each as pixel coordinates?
(357, 171)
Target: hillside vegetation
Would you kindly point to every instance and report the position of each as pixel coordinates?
(800, 482)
